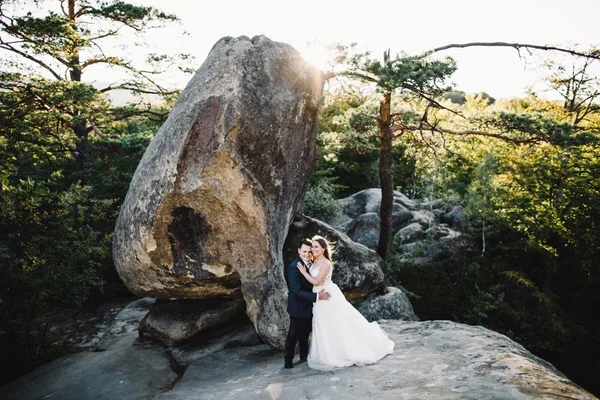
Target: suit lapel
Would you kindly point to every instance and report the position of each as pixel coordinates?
(307, 268)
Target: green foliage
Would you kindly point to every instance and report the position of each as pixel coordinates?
(37, 116)
(320, 203)
(417, 74)
(66, 34)
(455, 96)
(348, 152)
(446, 290)
(55, 239)
(67, 158)
(55, 255)
(113, 164)
(459, 97)
(62, 41)
(535, 209)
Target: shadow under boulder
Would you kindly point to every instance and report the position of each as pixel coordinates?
(175, 322)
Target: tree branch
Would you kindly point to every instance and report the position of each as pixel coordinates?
(125, 86)
(354, 74)
(592, 54)
(107, 60)
(93, 127)
(6, 46)
(107, 34)
(424, 125)
(62, 7)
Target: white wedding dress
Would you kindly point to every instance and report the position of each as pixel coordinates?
(341, 336)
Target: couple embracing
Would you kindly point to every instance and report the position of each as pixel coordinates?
(341, 336)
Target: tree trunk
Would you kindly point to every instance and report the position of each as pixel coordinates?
(385, 175)
(81, 152)
(79, 125)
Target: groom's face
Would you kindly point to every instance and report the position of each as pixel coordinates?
(304, 252)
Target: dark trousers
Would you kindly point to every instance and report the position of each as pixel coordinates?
(299, 330)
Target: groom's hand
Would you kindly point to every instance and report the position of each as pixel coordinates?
(323, 295)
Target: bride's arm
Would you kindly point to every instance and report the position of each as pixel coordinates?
(320, 278)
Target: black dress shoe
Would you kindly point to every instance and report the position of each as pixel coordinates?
(288, 365)
(303, 359)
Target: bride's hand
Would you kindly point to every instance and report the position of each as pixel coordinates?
(301, 267)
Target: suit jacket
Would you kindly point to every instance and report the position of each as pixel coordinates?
(300, 295)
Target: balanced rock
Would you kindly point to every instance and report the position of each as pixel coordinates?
(356, 268)
(210, 203)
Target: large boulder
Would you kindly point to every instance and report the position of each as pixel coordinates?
(240, 332)
(364, 229)
(455, 217)
(210, 203)
(356, 268)
(394, 304)
(411, 233)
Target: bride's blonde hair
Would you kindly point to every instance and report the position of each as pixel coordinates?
(327, 247)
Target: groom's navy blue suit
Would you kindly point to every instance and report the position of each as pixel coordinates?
(300, 304)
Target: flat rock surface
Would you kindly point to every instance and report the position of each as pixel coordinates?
(432, 360)
(125, 371)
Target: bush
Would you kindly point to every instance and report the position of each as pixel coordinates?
(319, 203)
(55, 250)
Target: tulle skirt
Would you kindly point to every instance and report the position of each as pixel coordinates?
(342, 337)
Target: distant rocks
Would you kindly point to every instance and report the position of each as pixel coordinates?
(427, 231)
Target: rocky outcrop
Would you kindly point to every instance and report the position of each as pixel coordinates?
(210, 203)
(426, 231)
(392, 305)
(432, 360)
(423, 217)
(356, 268)
(456, 217)
(364, 229)
(411, 233)
(369, 201)
(175, 322)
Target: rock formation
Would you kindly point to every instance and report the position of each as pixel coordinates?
(427, 231)
(394, 304)
(432, 360)
(210, 203)
(177, 321)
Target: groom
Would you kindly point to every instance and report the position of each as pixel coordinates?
(300, 304)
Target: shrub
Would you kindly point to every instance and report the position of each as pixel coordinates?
(319, 203)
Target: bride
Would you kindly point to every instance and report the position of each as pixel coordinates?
(341, 336)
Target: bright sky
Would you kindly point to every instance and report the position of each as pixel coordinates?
(410, 26)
